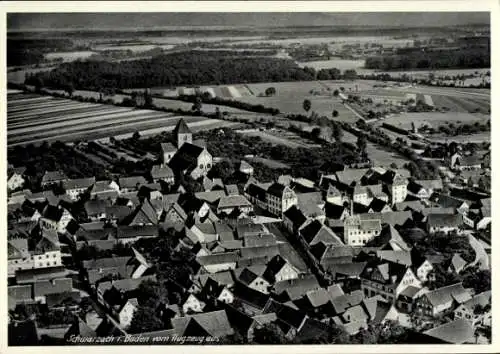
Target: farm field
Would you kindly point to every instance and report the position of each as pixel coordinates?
(472, 138)
(69, 56)
(280, 137)
(434, 119)
(341, 64)
(384, 158)
(136, 48)
(269, 163)
(32, 119)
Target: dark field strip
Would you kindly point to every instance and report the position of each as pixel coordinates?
(57, 115)
(84, 113)
(100, 132)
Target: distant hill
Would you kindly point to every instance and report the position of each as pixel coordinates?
(31, 21)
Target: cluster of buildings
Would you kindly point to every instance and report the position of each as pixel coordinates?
(303, 255)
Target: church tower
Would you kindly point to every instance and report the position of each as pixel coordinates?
(182, 134)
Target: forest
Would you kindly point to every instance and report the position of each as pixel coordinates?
(176, 69)
(32, 51)
(446, 59)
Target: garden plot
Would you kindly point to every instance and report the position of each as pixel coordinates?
(384, 158)
(280, 137)
(434, 119)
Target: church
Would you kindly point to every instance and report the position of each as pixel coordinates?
(188, 157)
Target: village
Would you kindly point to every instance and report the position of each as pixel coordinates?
(362, 255)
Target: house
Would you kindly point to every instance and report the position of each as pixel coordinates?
(477, 310)
(231, 189)
(293, 219)
(126, 313)
(53, 177)
(190, 159)
(387, 279)
(406, 300)
(105, 190)
(192, 304)
(209, 324)
(294, 289)
(168, 150)
(447, 201)
(19, 256)
(423, 189)
(144, 214)
(455, 332)
(444, 222)
(398, 189)
(420, 265)
(75, 187)
(437, 301)
(261, 240)
(348, 178)
(131, 184)
(127, 234)
(55, 218)
(201, 232)
(15, 178)
(335, 211)
(218, 262)
(253, 278)
(43, 288)
(460, 162)
(333, 195)
(229, 203)
(314, 231)
(311, 204)
(457, 264)
(96, 209)
(174, 215)
(246, 168)
(390, 239)
(279, 198)
(365, 194)
(357, 231)
(162, 173)
(278, 270)
(379, 206)
(117, 213)
(256, 194)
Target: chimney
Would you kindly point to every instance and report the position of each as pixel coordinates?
(352, 207)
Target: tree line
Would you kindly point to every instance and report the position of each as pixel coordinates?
(171, 70)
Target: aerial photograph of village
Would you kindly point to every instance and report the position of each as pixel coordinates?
(248, 178)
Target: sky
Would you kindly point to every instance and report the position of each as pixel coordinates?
(30, 21)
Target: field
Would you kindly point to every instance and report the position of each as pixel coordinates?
(472, 138)
(279, 136)
(136, 48)
(382, 157)
(33, 119)
(341, 64)
(434, 119)
(69, 56)
(269, 163)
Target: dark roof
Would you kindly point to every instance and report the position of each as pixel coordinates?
(377, 205)
(131, 182)
(124, 231)
(256, 191)
(52, 212)
(161, 171)
(96, 206)
(295, 215)
(181, 128)
(440, 220)
(454, 332)
(53, 176)
(186, 157)
(168, 147)
(45, 287)
(276, 189)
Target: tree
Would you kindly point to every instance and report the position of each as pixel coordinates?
(152, 294)
(350, 74)
(337, 132)
(197, 104)
(145, 320)
(270, 333)
(315, 133)
(69, 89)
(361, 144)
(306, 105)
(136, 136)
(38, 83)
(336, 93)
(479, 280)
(270, 91)
(335, 113)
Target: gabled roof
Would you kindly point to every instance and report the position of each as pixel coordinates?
(52, 212)
(458, 262)
(377, 205)
(78, 183)
(161, 171)
(53, 176)
(101, 186)
(446, 201)
(167, 147)
(96, 206)
(351, 175)
(389, 236)
(124, 231)
(186, 157)
(430, 184)
(258, 252)
(296, 288)
(45, 287)
(334, 211)
(131, 182)
(215, 324)
(144, 214)
(260, 240)
(219, 258)
(20, 293)
(347, 269)
(233, 201)
(415, 205)
(276, 189)
(17, 248)
(245, 166)
(448, 293)
(343, 302)
(295, 215)
(481, 299)
(444, 220)
(181, 128)
(454, 332)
